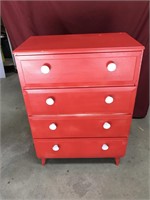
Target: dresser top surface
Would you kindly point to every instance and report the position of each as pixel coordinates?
(78, 43)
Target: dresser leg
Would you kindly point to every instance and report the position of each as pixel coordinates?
(117, 161)
(43, 161)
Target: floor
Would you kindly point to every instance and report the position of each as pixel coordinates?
(24, 178)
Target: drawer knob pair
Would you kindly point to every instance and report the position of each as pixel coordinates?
(105, 147)
(111, 67)
(53, 126)
(108, 100)
(45, 69)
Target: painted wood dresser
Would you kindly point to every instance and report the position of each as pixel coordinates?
(79, 91)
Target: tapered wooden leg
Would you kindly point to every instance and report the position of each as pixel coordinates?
(117, 161)
(43, 161)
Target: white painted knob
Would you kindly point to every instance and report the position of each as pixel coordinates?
(106, 125)
(52, 127)
(55, 147)
(105, 147)
(50, 101)
(45, 69)
(111, 67)
(109, 99)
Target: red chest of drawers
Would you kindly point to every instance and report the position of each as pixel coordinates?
(79, 92)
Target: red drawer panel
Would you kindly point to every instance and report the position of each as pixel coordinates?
(85, 100)
(80, 148)
(66, 126)
(81, 70)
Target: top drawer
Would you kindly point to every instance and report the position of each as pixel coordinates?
(80, 70)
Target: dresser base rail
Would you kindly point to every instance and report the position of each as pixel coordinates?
(117, 161)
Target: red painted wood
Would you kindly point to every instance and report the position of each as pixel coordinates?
(81, 70)
(80, 148)
(80, 126)
(117, 161)
(75, 43)
(79, 82)
(85, 100)
(43, 161)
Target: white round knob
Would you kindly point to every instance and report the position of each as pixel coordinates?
(111, 67)
(105, 147)
(55, 147)
(45, 69)
(106, 125)
(109, 99)
(52, 127)
(50, 101)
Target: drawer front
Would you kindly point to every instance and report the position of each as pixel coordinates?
(81, 70)
(80, 126)
(85, 100)
(80, 148)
